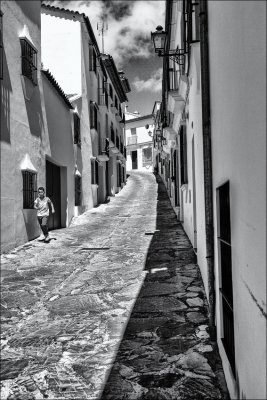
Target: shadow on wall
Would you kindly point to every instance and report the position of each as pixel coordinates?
(6, 88)
(31, 223)
(161, 326)
(33, 105)
(31, 10)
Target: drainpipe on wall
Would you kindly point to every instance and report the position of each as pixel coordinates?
(208, 190)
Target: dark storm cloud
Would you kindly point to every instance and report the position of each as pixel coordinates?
(117, 9)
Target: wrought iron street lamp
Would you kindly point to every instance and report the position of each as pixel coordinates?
(159, 39)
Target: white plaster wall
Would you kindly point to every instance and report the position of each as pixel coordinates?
(61, 149)
(195, 128)
(237, 41)
(61, 51)
(23, 124)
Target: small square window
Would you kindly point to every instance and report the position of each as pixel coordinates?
(29, 189)
(29, 61)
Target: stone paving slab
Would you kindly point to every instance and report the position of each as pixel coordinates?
(113, 308)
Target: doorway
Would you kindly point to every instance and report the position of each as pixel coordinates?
(134, 159)
(53, 191)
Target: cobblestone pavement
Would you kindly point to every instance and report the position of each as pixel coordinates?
(112, 308)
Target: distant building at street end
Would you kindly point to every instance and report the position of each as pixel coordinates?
(139, 142)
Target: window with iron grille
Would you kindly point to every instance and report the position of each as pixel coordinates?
(183, 155)
(1, 45)
(29, 189)
(77, 129)
(225, 261)
(92, 58)
(93, 116)
(78, 190)
(29, 61)
(94, 172)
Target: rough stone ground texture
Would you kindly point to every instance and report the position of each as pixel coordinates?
(113, 308)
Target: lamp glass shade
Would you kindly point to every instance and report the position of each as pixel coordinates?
(159, 39)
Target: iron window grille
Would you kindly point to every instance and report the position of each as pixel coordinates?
(225, 254)
(29, 189)
(183, 155)
(29, 61)
(92, 58)
(93, 116)
(77, 129)
(78, 190)
(94, 172)
(1, 45)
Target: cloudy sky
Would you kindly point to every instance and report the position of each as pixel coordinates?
(128, 40)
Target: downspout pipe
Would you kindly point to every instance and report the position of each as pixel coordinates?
(207, 156)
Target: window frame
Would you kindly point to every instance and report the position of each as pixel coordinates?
(78, 190)
(92, 58)
(29, 189)
(93, 116)
(94, 172)
(183, 156)
(28, 60)
(77, 129)
(225, 264)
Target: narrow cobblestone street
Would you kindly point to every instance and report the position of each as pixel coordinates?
(112, 308)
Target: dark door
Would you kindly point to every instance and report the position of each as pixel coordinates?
(176, 177)
(107, 180)
(53, 192)
(134, 159)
